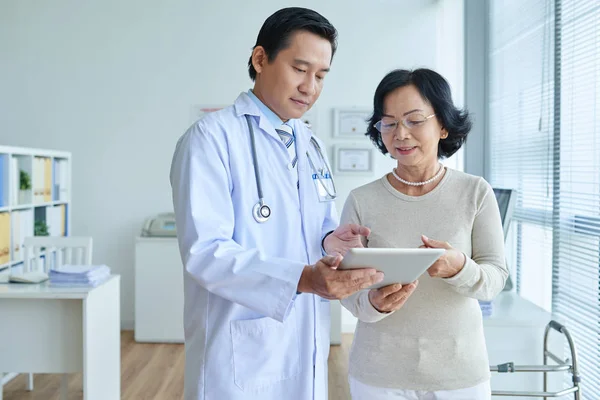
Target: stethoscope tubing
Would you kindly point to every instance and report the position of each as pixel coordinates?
(261, 211)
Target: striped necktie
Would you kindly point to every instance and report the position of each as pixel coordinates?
(286, 134)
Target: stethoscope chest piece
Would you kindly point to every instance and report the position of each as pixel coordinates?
(261, 212)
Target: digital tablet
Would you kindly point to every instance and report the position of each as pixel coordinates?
(398, 265)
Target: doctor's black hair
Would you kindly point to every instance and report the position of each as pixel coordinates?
(278, 29)
(435, 90)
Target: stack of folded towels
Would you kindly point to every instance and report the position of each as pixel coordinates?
(486, 308)
(79, 275)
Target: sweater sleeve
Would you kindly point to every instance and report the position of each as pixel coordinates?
(484, 274)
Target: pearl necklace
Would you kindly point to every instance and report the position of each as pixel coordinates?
(437, 175)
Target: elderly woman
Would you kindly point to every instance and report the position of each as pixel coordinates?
(425, 342)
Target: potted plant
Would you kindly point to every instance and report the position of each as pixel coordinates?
(24, 187)
(40, 228)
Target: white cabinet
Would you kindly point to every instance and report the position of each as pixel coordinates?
(335, 335)
(158, 290)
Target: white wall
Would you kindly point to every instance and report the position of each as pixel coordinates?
(114, 83)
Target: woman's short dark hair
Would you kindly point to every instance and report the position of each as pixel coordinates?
(435, 90)
(275, 34)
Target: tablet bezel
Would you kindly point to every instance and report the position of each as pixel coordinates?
(399, 265)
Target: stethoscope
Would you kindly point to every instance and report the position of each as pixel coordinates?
(261, 211)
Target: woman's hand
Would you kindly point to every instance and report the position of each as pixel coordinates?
(392, 297)
(449, 264)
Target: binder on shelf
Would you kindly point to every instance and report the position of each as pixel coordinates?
(4, 238)
(59, 183)
(15, 182)
(63, 220)
(22, 224)
(16, 236)
(56, 180)
(42, 174)
(47, 180)
(3, 181)
(36, 180)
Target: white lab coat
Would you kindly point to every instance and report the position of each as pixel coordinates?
(247, 334)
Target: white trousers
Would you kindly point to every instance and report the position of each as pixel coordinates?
(360, 391)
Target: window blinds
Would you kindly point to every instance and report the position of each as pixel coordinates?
(544, 136)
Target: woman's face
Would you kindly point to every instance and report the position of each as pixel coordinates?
(416, 145)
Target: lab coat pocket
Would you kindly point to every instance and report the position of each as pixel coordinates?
(265, 351)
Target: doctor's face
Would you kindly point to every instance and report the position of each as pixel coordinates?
(291, 83)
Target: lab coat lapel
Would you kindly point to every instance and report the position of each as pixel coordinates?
(245, 106)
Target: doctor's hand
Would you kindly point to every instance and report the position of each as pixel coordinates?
(344, 238)
(392, 297)
(324, 280)
(449, 264)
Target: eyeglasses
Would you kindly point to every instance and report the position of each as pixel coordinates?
(412, 121)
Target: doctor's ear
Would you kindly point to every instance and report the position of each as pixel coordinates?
(259, 58)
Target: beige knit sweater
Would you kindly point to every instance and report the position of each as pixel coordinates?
(435, 341)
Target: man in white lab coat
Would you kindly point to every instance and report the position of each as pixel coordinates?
(252, 193)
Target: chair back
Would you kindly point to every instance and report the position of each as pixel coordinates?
(43, 253)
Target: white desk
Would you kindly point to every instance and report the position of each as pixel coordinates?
(64, 330)
(515, 332)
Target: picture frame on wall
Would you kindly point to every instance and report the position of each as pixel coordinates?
(353, 159)
(350, 122)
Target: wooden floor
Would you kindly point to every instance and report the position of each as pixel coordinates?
(155, 371)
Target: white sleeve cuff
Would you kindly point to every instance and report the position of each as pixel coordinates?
(367, 312)
(289, 292)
